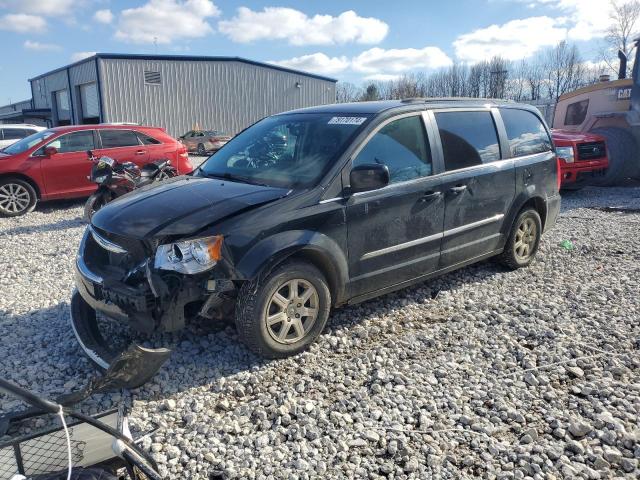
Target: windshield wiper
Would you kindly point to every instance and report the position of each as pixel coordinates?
(233, 178)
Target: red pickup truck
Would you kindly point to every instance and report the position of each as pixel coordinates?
(583, 157)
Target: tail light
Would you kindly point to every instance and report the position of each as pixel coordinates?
(558, 172)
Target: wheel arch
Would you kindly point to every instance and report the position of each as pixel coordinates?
(25, 178)
(313, 247)
(523, 202)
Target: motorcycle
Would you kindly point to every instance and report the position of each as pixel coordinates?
(84, 447)
(114, 179)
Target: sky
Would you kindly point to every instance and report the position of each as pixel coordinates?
(351, 41)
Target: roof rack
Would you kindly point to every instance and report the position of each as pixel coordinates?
(452, 99)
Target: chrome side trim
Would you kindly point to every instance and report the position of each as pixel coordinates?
(329, 200)
(474, 242)
(402, 246)
(393, 267)
(470, 226)
(104, 243)
(436, 236)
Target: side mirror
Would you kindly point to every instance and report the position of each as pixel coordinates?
(50, 151)
(368, 177)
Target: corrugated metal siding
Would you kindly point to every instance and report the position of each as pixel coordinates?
(80, 75)
(15, 107)
(211, 94)
(45, 86)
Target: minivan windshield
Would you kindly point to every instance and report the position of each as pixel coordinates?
(290, 150)
(27, 142)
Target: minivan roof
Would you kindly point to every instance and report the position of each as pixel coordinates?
(384, 105)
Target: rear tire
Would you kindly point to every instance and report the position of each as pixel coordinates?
(201, 150)
(523, 242)
(283, 313)
(623, 161)
(17, 197)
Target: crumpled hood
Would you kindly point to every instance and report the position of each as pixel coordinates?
(180, 206)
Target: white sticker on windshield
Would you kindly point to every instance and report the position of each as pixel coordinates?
(347, 120)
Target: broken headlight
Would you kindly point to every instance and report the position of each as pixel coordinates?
(189, 256)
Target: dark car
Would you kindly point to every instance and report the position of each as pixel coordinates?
(317, 208)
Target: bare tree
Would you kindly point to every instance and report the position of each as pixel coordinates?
(623, 28)
(564, 69)
(347, 92)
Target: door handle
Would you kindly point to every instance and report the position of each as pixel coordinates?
(141, 152)
(458, 189)
(430, 195)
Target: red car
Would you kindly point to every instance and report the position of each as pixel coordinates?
(53, 164)
(583, 157)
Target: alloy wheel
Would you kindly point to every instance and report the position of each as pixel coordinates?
(526, 237)
(291, 311)
(14, 198)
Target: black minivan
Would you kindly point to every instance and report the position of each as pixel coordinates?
(316, 208)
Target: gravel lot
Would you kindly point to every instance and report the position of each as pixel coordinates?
(482, 373)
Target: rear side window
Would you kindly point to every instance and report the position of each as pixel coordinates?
(468, 139)
(118, 138)
(16, 133)
(74, 142)
(402, 146)
(525, 131)
(147, 140)
(576, 112)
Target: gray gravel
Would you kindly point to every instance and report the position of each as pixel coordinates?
(482, 373)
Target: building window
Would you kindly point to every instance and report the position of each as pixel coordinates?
(152, 78)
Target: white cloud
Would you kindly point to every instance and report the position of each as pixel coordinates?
(400, 60)
(382, 77)
(166, 20)
(513, 40)
(584, 19)
(49, 8)
(103, 16)
(316, 63)
(77, 56)
(23, 23)
(299, 29)
(41, 47)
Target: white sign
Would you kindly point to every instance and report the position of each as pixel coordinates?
(347, 120)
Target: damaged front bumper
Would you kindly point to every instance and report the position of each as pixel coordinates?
(118, 282)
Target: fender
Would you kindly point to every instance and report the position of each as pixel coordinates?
(528, 194)
(272, 251)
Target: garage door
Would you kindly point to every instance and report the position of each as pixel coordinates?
(63, 110)
(89, 101)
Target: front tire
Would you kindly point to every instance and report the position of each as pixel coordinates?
(201, 150)
(524, 240)
(283, 313)
(94, 203)
(17, 197)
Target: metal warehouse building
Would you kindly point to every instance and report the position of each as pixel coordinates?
(177, 93)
